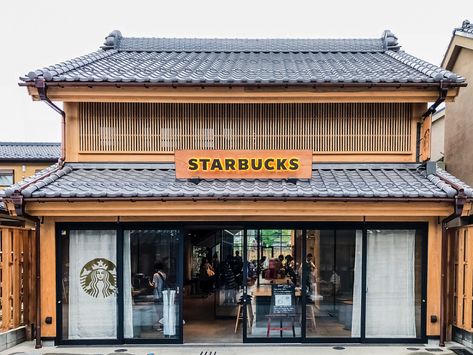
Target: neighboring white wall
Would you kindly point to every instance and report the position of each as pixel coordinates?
(438, 135)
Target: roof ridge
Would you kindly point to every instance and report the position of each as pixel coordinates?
(116, 41)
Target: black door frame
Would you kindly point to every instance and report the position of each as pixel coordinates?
(421, 227)
(119, 228)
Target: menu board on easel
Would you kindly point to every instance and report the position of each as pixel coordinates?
(283, 299)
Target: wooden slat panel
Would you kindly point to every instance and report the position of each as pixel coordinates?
(324, 128)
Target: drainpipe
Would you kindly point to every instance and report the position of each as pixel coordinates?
(458, 209)
(442, 96)
(40, 85)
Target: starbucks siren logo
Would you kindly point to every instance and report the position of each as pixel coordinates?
(98, 278)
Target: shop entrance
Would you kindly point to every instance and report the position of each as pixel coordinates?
(199, 283)
(213, 285)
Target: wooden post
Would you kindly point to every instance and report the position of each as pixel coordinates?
(17, 275)
(6, 278)
(25, 252)
(31, 305)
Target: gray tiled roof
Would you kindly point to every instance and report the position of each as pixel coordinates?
(92, 180)
(23, 151)
(247, 61)
(467, 28)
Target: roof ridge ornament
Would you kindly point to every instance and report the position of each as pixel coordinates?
(390, 41)
(112, 41)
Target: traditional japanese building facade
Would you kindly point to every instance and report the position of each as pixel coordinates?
(238, 151)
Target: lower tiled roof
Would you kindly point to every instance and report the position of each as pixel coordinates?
(93, 180)
(29, 151)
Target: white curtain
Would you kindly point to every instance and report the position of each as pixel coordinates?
(356, 311)
(128, 301)
(169, 312)
(390, 283)
(92, 284)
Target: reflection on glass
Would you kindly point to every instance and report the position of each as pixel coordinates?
(151, 302)
(273, 283)
(228, 266)
(331, 271)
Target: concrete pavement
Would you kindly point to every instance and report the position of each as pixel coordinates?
(27, 348)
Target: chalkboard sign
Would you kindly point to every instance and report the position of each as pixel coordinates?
(283, 299)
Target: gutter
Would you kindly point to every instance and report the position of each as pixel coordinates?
(40, 85)
(459, 203)
(250, 85)
(239, 198)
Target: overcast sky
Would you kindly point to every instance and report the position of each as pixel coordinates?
(40, 33)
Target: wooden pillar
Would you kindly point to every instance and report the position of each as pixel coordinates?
(17, 276)
(6, 278)
(32, 279)
(25, 291)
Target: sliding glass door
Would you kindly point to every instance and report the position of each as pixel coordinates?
(354, 283)
(152, 277)
(274, 294)
(333, 282)
(118, 285)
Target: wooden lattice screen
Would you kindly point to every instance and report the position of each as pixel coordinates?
(17, 290)
(323, 128)
(463, 278)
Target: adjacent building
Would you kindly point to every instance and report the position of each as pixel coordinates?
(19, 160)
(262, 190)
(458, 125)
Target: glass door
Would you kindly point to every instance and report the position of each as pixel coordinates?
(152, 282)
(333, 274)
(273, 292)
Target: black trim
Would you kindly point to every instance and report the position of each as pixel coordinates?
(421, 227)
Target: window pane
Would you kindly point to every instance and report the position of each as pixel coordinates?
(274, 309)
(6, 177)
(332, 274)
(151, 301)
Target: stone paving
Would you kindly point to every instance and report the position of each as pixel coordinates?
(27, 348)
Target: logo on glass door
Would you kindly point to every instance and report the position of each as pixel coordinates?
(98, 278)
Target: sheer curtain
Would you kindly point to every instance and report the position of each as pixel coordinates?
(356, 311)
(92, 284)
(127, 302)
(390, 285)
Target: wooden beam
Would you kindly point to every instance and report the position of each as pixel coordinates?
(238, 210)
(238, 94)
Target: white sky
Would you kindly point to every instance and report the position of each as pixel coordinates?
(39, 33)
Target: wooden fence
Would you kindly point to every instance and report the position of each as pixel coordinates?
(17, 270)
(461, 285)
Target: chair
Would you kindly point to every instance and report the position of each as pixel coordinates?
(249, 312)
(310, 316)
